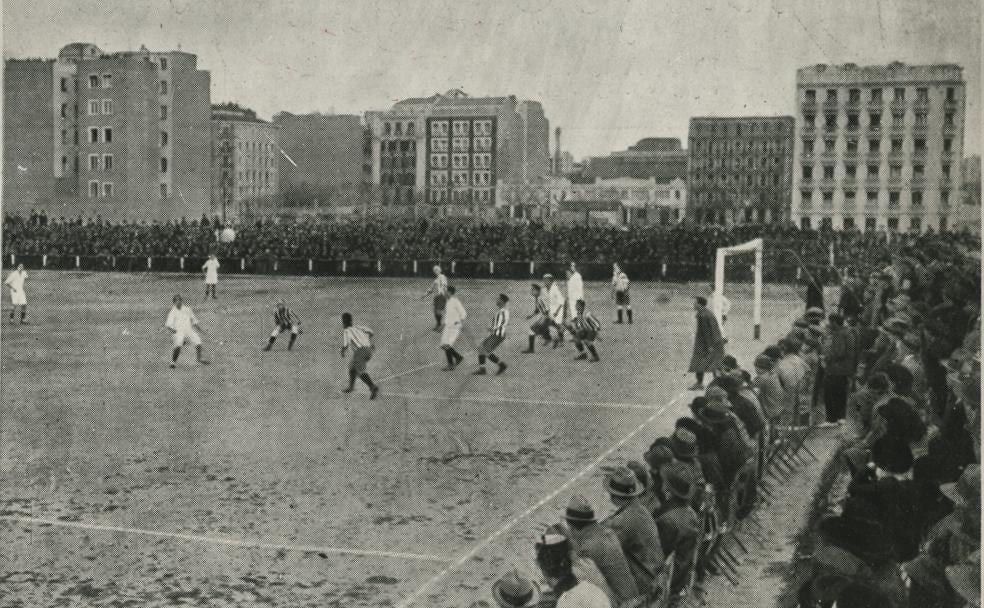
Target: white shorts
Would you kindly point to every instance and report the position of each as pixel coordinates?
(294, 329)
(450, 334)
(191, 336)
(18, 298)
(211, 281)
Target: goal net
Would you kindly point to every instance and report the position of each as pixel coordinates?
(717, 306)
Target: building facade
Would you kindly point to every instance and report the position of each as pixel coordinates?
(121, 135)
(321, 163)
(453, 151)
(878, 147)
(662, 158)
(244, 162)
(740, 169)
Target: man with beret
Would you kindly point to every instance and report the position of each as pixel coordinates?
(679, 526)
(599, 544)
(635, 528)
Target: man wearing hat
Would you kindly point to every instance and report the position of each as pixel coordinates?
(679, 526)
(567, 587)
(769, 389)
(839, 362)
(708, 344)
(862, 403)
(591, 540)
(515, 591)
(635, 528)
(733, 442)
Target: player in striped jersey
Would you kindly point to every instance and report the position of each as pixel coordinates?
(440, 290)
(584, 327)
(360, 339)
(541, 326)
(495, 338)
(620, 289)
(284, 319)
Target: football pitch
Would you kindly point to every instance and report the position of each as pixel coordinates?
(255, 481)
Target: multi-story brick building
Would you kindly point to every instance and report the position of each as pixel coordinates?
(244, 161)
(878, 147)
(453, 151)
(740, 169)
(662, 158)
(122, 135)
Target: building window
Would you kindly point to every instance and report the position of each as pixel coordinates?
(805, 223)
(163, 138)
(64, 110)
(93, 81)
(922, 95)
(163, 191)
(852, 121)
(852, 146)
(828, 146)
(943, 224)
(64, 137)
(830, 120)
(107, 81)
(807, 172)
(853, 95)
(919, 145)
(93, 135)
(874, 146)
(850, 198)
(107, 188)
(93, 107)
(848, 223)
(918, 171)
(832, 95)
(947, 144)
(872, 199)
(899, 94)
(93, 189)
(893, 198)
(944, 197)
(64, 85)
(163, 112)
(107, 134)
(873, 171)
(897, 145)
(828, 198)
(870, 224)
(946, 171)
(917, 199)
(807, 147)
(107, 162)
(898, 120)
(876, 95)
(828, 172)
(75, 137)
(874, 121)
(93, 162)
(806, 197)
(163, 165)
(915, 224)
(895, 171)
(163, 87)
(851, 171)
(808, 121)
(951, 94)
(810, 95)
(893, 224)
(921, 119)
(107, 106)
(163, 63)
(948, 119)
(826, 223)
(64, 164)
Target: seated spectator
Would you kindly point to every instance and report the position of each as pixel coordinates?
(679, 526)
(649, 498)
(598, 543)
(769, 389)
(515, 591)
(635, 528)
(696, 447)
(733, 443)
(566, 589)
(727, 389)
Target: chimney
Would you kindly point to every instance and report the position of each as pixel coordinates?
(557, 152)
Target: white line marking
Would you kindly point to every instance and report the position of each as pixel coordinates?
(478, 399)
(408, 372)
(458, 563)
(222, 540)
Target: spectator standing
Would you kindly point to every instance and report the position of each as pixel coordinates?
(839, 361)
(708, 344)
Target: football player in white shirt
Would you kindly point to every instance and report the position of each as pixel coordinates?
(454, 318)
(620, 288)
(211, 269)
(18, 298)
(440, 290)
(183, 325)
(556, 302)
(575, 288)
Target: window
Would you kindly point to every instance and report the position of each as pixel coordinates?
(807, 147)
(915, 224)
(918, 170)
(893, 224)
(946, 170)
(163, 87)
(852, 121)
(832, 95)
(872, 198)
(805, 223)
(108, 134)
(93, 189)
(107, 81)
(163, 191)
(876, 95)
(943, 224)
(850, 198)
(64, 137)
(75, 164)
(163, 112)
(848, 223)
(64, 164)
(830, 121)
(93, 162)
(163, 138)
(807, 172)
(922, 95)
(852, 146)
(828, 146)
(64, 110)
(951, 94)
(93, 135)
(948, 119)
(895, 171)
(107, 106)
(163, 63)
(851, 171)
(893, 198)
(869, 224)
(874, 121)
(919, 145)
(917, 199)
(898, 120)
(163, 165)
(107, 188)
(921, 119)
(947, 144)
(806, 197)
(93, 107)
(828, 172)
(811, 95)
(828, 198)
(874, 146)
(826, 223)
(873, 171)
(896, 145)
(808, 121)
(944, 197)
(899, 94)
(75, 137)
(107, 162)
(854, 95)
(93, 81)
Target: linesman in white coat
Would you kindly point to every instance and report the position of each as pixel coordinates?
(556, 303)
(18, 297)
(183, 325)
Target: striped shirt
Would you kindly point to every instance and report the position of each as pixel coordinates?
(501, 320)
(285, 317)
(357, 336)
(540, 307)
(620, 281)
(440, 286)
(586, 321)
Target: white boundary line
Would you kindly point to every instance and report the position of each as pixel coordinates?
(407, 373)
(478, 399)
(458, 563)
(222, 540)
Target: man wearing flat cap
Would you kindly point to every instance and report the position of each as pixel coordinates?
(599, 544)
(635, 528)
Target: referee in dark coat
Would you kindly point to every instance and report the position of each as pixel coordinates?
(708, 343)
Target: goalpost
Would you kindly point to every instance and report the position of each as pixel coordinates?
(722, 254)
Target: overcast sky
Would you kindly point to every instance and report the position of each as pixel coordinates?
(607, 72)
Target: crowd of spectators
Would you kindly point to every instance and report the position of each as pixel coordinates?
(442, 240)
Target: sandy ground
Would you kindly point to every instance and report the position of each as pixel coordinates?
(263, 451)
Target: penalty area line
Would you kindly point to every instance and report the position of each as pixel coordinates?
(488, 540)
(220, 540)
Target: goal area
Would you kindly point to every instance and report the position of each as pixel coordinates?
(753, 247)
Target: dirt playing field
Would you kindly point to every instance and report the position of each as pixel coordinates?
(254, 481)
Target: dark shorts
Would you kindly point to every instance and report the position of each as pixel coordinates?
(622, 298)
(489, 345)
(360, 358)
(541, 326)
(585, 335)
(439, 303)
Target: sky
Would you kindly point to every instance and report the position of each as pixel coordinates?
(608, 72)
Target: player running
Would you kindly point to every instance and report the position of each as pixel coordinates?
(284, 319)
(620, 290)
(360, 339)
(584, 327)
(440, 290)
(557, 303)
(541, 326)
(454, 318)
(184, 327)
(498, 333)
(211, 270)
(18, 297)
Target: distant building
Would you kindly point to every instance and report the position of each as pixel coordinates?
(740, 169)
(244, 161)
(321, 163)
(662, 158)
(878, 147)
(453, 151)
(563, 163)
(970, 211)
(122, 135)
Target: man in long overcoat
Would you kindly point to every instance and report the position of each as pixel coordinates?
(708, 344)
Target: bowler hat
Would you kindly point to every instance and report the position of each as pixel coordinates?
(683, 444)
(515, 591)
(622, 482)
(715, 412)
(966, 489)
(579, 509)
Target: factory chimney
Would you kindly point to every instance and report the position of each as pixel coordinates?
(556, 163)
